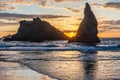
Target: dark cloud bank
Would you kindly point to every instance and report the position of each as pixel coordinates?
(30, 16)
(115, 5)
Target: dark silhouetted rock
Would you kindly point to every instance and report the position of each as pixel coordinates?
(36, 30)
(87, 32)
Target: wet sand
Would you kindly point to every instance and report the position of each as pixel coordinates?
(62, 65)
(17, 71)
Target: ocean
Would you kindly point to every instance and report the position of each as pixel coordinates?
(60, 60)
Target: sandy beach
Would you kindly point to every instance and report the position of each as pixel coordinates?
(59, 65)
(17, 71)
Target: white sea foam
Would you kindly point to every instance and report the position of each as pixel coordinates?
(59, 46)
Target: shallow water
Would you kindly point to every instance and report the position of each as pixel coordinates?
(67, 65)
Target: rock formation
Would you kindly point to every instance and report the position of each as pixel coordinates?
(87, 32)
(36, 30)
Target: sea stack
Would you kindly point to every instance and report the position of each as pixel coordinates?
(36, 31)
(87, 32)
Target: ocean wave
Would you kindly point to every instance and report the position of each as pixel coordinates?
(63, 48)
(56, 46)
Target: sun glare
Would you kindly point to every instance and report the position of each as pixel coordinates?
(71, 34)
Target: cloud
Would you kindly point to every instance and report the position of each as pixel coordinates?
(36, 2)
(12, 4)
(111, 22)
(107, 25)
(7, 24)
(3, 15)
(43, 2)
(115, 5)
(40, 6)
(18, 1)
(68, 31)
(12, 19)
(6, 7)
(73, 10)
(59, 1)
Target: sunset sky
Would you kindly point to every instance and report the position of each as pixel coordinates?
(65, 15)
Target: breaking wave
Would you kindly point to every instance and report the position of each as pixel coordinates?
(109, 44)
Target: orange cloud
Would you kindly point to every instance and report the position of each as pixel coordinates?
(63, 1)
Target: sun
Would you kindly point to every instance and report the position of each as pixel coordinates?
(71, 34)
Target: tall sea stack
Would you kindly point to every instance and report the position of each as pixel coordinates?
(87, 32)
